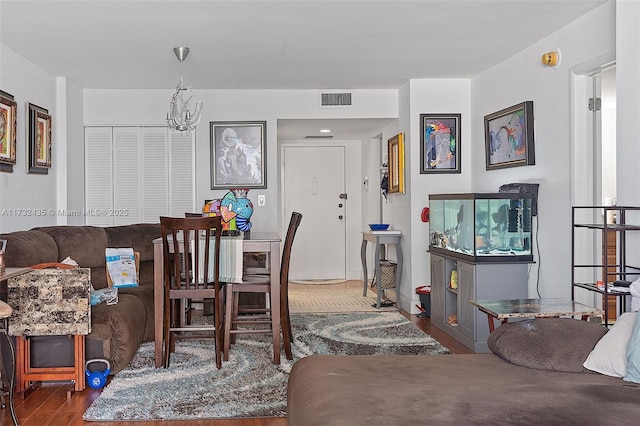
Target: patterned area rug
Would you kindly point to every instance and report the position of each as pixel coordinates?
(248, 385)
(335, 298)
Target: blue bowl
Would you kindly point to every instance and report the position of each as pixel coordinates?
(378, 226)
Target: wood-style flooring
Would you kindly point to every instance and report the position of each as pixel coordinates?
(49, 406)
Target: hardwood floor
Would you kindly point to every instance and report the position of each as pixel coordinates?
(49, 406)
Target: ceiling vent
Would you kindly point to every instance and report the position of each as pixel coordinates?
(335, 99)
(318, 137)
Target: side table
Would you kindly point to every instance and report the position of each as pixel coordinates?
(380, 238)
(503, 310)
(50, 302)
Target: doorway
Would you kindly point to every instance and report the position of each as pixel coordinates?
(314, 180)
(594, 163)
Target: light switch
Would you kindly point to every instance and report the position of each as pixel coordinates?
(262, 200)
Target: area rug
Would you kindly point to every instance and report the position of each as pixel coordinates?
(335, 298)
(248, 385)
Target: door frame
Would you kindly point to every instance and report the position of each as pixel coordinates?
(353, 205)
(586, 170)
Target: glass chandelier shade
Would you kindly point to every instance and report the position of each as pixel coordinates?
(184, 108)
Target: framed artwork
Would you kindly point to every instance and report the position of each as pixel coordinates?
(395, 147)
(508, 137)
(39, 131)
(238, 154)
(440, 143)
(7, 132)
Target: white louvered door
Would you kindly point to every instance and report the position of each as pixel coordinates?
(126, 175)
(155, 174)
(137, 174)
(98, 174)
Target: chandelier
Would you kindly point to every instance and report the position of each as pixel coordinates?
(185, 107)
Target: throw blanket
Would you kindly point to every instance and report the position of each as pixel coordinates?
(230, 259)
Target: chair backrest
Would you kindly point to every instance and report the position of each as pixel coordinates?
(294, 223)
(191, 239)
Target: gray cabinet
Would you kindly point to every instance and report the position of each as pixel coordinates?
(451, 311)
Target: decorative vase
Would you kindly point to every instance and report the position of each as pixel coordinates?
(239, 204)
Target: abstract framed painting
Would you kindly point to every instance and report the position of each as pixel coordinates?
(7, 132)
(395, 151)
(508, 137)
(238, 154)
(440, 143)
(39, 148)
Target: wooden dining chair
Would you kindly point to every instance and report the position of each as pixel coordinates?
(262, 284)
(187, 277)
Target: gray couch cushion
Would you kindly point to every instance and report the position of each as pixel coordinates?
(20, 250)
(556, 344)
(473, 389)
(84, 244)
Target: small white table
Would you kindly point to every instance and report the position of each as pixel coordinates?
(380, 238)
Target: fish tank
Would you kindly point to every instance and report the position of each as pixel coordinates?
(491, 227)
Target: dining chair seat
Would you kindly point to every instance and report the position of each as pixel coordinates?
(257, 283)
(187, 276)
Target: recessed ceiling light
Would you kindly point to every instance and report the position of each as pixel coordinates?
(325, 130)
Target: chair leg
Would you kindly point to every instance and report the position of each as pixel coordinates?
(165, 332)
(287, 337)
(235, 315)
(228, 319)
(217, 321)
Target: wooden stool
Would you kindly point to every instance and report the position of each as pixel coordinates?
(27, 374)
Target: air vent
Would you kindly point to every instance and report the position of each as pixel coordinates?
(335, 99)
(318, 137)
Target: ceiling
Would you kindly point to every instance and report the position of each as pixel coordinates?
(270, 44)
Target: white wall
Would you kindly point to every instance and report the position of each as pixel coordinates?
(524, 78)
(433, 96)
(75, 152)
(149, 107)
(21, 193)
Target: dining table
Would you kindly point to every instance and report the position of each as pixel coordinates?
(252, 242)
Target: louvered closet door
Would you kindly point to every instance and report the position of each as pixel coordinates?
(182, 174)
(98, 175)
(126, 175)
(155, 174)
(137, 174)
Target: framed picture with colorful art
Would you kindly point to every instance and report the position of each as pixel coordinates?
(508, 137)
(7, 132)
(440, 143)
(39, 131)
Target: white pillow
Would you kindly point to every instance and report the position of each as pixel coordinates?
(609, 356)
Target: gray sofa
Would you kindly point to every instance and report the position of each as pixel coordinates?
(534, 377)
(117, 330)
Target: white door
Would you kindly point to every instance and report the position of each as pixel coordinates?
(313, 181)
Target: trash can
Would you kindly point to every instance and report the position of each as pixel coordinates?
(388, 273)
(425, 300)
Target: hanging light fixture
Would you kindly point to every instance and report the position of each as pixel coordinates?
(185, 107)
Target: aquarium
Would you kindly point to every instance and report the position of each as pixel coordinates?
(482, 227)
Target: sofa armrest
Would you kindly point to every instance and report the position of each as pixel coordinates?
(126, 323)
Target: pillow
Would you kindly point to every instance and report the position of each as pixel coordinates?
(633, 354)
(555, 344)
(609, 357)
